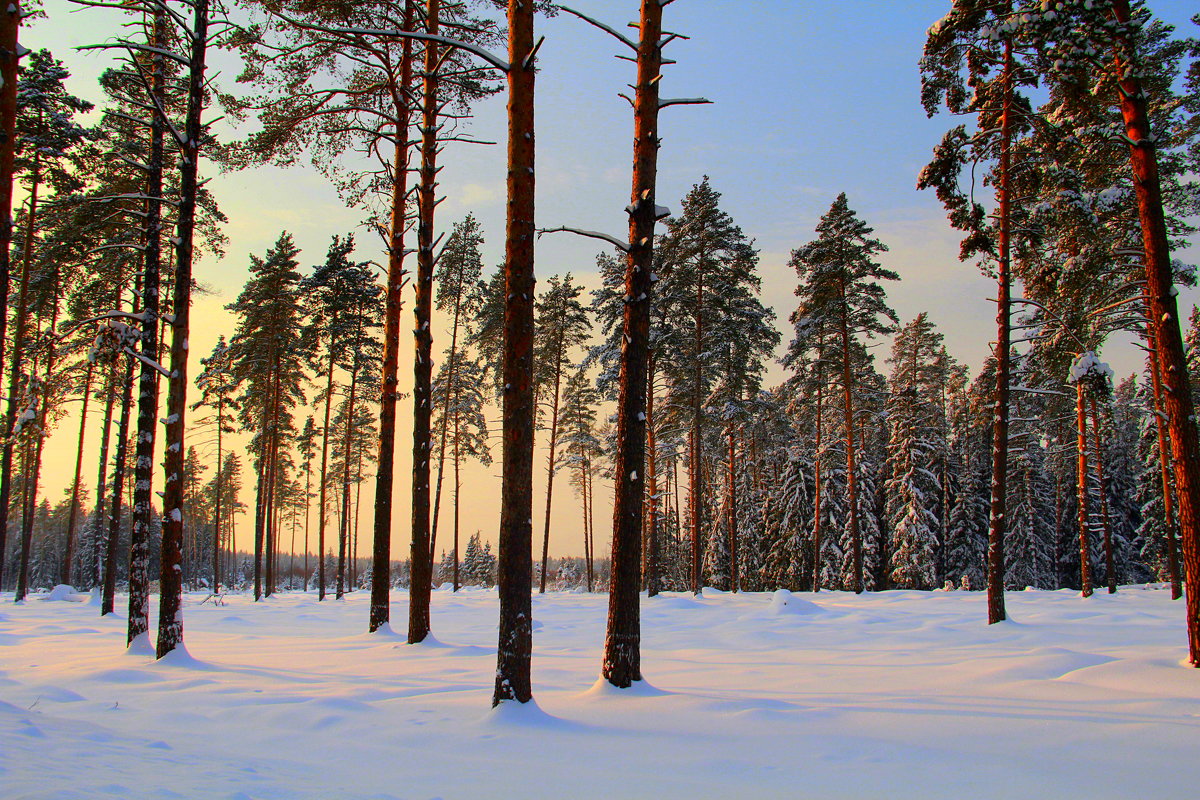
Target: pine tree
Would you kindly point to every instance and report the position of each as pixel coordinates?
(1099, 47)
(563, 327)
(269, 354)
(459, 396)
(459, 270)
(581, 451)
(840, 295)
(707, 268)
(45, 132)
(217, 384)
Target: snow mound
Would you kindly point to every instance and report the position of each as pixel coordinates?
(784, 602)
(140, 646)
(510, 714)
(602, 689)
(62, 593)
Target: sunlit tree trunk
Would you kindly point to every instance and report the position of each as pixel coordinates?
(381, 551)
(170, 618)
(147, 417)
(998, 521)
(421, 580)
(515, 642)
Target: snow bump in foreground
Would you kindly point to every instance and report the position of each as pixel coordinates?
(893, 694)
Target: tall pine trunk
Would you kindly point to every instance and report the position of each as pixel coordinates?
(421, 569)
(170, 617)
(34, 472)
(65, 573)
(550, 459)
(118, 495)
(997, 520)
(344, 520)
(1081, 473)
(322, 516)
(1110, 566)
(110, 387)
(16, 359)
(10, 54)
(623, 642)
(817, 544)
(849, 440)
(216, 553)
(457, 493)
(1170, 543)
(515, 640)
(451, 390)
(1164, 318)
(381, 549)
(731, 488)
(653, 567)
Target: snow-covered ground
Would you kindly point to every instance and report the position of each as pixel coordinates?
(895, 694)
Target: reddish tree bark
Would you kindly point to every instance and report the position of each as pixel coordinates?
(1164, 318)
(381, 554)
(73, 512)
(622, 645)
(997, 518)
(170, 609)
(515, 644)
(1164, 461)
(421, 582)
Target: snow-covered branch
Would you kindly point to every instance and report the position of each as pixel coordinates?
(610, 31)
(614, 241)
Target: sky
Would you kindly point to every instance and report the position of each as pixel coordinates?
(810, 99)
